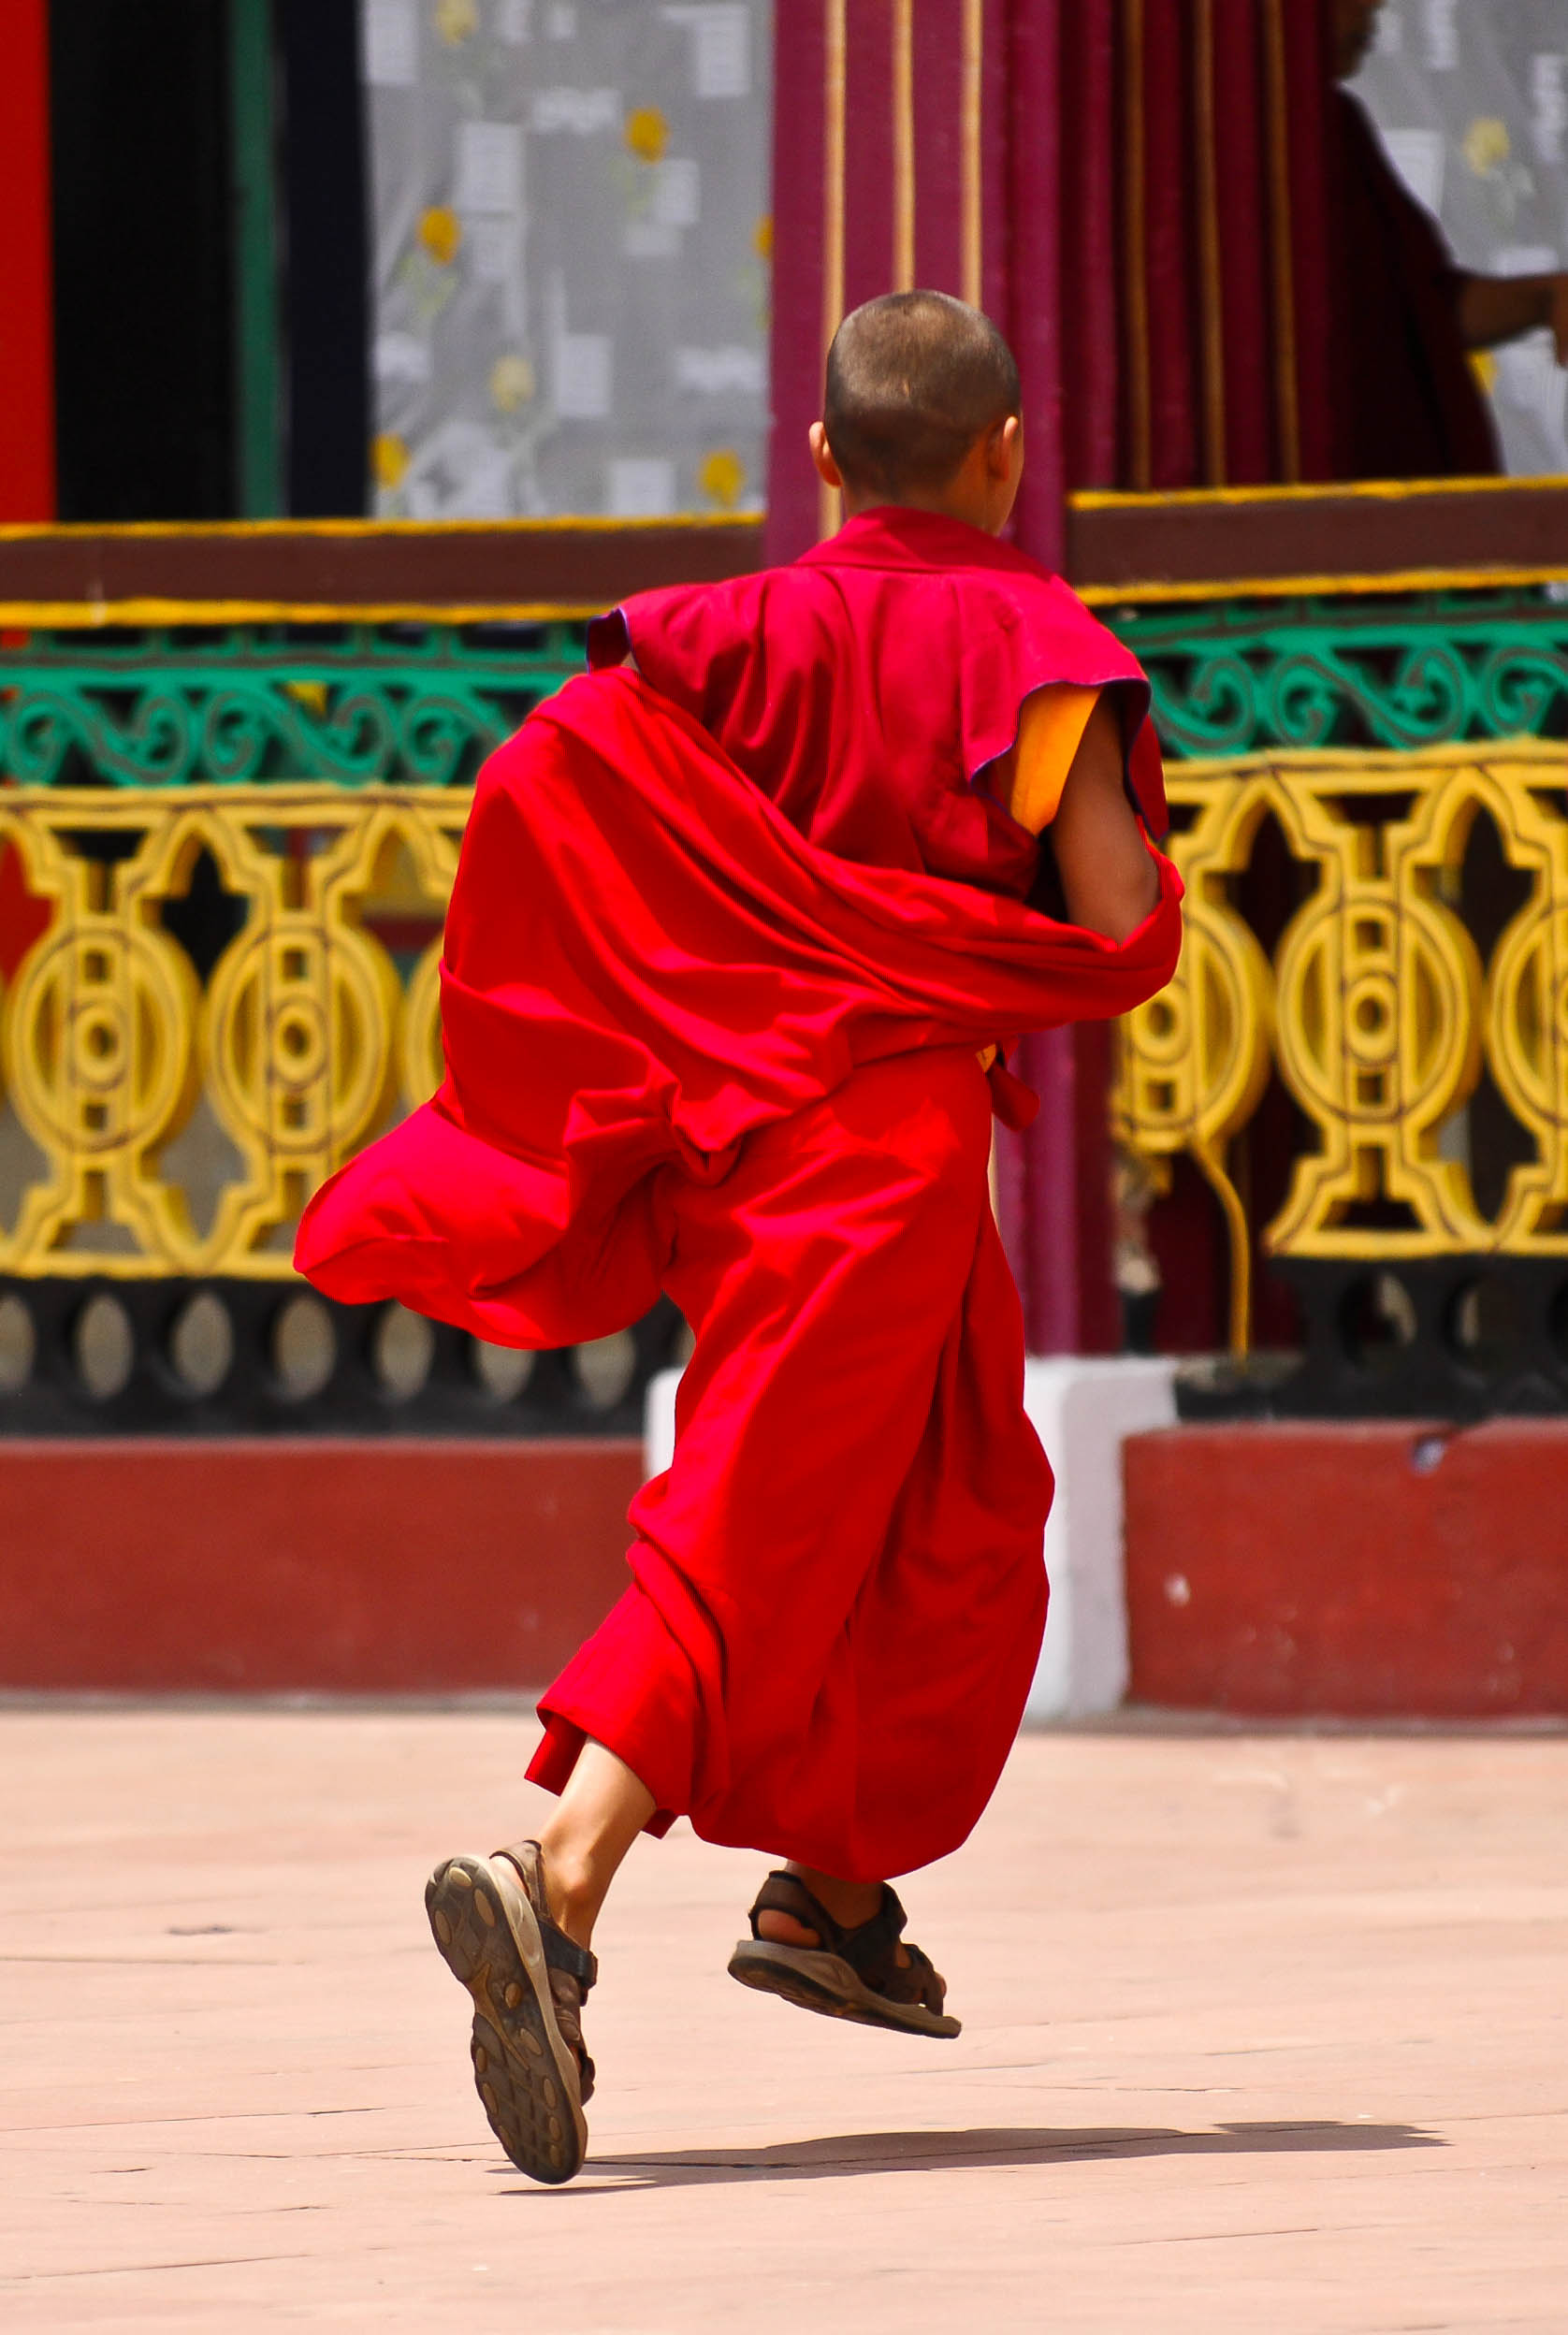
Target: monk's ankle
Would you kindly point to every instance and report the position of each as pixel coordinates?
(575, 1894)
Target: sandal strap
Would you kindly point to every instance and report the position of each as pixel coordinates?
(866, 1947)
(561, 1951)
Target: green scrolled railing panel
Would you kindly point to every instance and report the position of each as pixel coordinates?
(360, 705)
(1405, 673)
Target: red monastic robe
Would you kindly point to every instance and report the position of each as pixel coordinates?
(691, 1050)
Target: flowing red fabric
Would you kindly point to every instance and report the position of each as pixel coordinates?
(688, 1050)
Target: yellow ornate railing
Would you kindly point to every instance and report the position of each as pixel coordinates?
(1375, 1005)
(178, 1126)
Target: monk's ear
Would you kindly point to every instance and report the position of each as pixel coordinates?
(821, 454)
(1004, 448)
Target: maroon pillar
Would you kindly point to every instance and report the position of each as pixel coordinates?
(1046, 209)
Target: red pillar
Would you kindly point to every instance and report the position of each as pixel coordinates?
(27, 291)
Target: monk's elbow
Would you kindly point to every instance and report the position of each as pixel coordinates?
(1116, 911)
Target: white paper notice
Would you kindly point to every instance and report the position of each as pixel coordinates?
(579, 110)
(647, 239)
(712, 372)
(582, 376)
(677, 193)
(560, 20)
(391, 44)
(514, 22)
(641, 489)
(1442, 35)
(1417, 156)
(1548, 100)
(401, 357)
(720, 45)
(1530, 377)
(489, 168)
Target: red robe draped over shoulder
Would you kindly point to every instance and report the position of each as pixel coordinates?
(645, 964)
(868, 687)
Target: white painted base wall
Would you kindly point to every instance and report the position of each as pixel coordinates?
(1082, 1411)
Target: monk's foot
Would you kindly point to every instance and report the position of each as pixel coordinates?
(491, 1920)
(851, 1903)
(809, 1952)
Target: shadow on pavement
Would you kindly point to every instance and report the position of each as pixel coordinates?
(1016, 2144)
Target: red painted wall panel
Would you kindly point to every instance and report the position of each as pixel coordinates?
(397, 1567)
(26, 290)
(1378, 1570)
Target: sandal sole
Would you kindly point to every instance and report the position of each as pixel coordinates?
(525, 2074)
(813, 1980)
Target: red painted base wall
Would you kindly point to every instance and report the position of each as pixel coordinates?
(1388, 1570)
(397, 1567)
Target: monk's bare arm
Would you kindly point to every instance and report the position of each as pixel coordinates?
(1109, 879)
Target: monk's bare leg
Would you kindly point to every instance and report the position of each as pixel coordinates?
(594, 1823)
(514, 1929)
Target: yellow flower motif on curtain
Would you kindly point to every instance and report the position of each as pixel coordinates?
(1487, 144)
(722, 477)
(761, 238)
(456, 20)
(390, 460)
(511, 383)
(440, 231)
(646, 133)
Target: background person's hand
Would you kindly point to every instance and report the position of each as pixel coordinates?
(1557, 317)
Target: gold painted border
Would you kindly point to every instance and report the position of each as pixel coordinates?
(92, 615)
(971, 137)
(833, 68)
(903, 145)
(1367, 489)
(1150, 589)
(369, 530)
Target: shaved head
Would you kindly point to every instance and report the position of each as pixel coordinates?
(913, 380)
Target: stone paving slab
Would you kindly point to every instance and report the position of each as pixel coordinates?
(1262, 2032)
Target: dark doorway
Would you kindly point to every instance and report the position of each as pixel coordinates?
(142, 283)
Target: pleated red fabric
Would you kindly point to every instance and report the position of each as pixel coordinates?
(687, 1049)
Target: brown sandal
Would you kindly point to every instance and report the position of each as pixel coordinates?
(848, 1974)
(490, 1919)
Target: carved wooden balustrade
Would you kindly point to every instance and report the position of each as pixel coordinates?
(225, 846)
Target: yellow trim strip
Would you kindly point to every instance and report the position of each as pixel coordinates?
(89, 616)
(1364, 489)
(1287, 586)
(971, 130)
(903, 145)
(832, 211)
(14, 531)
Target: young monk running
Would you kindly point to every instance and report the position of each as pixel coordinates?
(744, 922)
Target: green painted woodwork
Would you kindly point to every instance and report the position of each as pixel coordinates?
(258, 324)
(415, 704)
(1401, 672)
(424, 703)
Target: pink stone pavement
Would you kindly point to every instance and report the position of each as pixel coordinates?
(1264, 2032)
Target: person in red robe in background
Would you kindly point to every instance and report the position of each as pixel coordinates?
(745, 920)
(1407, 403)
